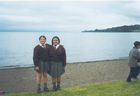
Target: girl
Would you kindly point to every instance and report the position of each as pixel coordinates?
(57, 62)
(41, 62)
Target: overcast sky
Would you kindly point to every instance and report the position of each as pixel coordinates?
(72, 16)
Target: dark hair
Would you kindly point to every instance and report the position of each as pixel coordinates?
(56, 38)
(136, 43)
(42, 36)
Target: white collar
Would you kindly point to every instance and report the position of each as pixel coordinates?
(56, 46)
(42, 45)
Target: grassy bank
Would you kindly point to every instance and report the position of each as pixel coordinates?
(110, 88)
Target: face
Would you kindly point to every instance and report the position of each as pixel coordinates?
(55, 41)
(42, 40)
(138, 46)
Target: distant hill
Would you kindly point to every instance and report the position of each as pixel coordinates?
(125, 28)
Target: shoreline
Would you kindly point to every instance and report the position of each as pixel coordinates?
(23, 79)
(67, 63)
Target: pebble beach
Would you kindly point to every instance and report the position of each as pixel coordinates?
(19, 80)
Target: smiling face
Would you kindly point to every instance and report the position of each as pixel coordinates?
(42, 40)
(55, 41)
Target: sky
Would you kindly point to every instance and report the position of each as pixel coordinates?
(67, 16)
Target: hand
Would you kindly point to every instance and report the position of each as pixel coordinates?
(37, 68)
(63, 67)
(62, 45)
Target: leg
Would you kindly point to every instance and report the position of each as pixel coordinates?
(131, 74)
(59, 78)
(45, 81)
(45, 77)
(53, 79)
(58, 83)
(54, 83)
(39, 75)
(136, 72)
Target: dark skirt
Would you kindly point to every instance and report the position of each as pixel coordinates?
(56, 69)
(43, 67)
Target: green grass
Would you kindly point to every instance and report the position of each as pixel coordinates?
(120, 88)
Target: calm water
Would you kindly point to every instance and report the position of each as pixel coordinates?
(16, 49)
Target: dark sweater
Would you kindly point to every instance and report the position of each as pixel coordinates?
(58, 55)
(41, 54)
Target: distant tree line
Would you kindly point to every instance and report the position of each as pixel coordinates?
(124, 28)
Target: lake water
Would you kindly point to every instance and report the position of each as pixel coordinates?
(16, 48)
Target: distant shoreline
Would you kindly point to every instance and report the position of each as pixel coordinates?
(125, 28)
(103, 32)
(109, 32)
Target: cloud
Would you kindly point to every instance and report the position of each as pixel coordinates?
(21, 18)
(74, 16)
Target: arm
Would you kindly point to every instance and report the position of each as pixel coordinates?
(35, 56)
(64, 58)
(49, 51)
(136, 54)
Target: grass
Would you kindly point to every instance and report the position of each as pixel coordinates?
(120, 88)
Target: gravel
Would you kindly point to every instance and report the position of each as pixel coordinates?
(19, 80)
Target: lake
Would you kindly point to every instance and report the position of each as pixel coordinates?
(16, 48)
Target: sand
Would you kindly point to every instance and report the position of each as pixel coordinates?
(19, 80)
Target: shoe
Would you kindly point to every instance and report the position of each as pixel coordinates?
(54, 88)
(135, 78)
(58, 88)
(38, 90)
(46, 89)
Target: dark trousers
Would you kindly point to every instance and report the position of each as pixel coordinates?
(134, 72)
